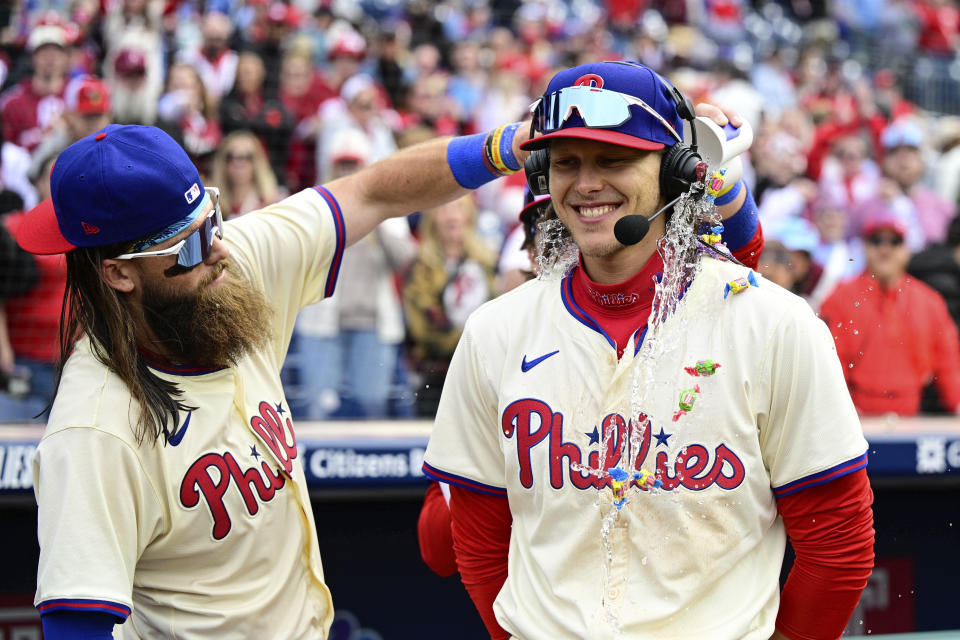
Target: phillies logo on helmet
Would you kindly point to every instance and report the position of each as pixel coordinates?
(589, 80)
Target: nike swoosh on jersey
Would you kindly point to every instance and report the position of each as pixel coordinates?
(178, 436)
(526, 366)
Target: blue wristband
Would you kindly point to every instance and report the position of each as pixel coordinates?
(506, 147)
(729, 196)
(740, 228)
(465, 156)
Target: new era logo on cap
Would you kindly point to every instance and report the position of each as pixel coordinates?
(89, 229)
(192, 193)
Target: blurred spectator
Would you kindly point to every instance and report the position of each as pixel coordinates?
(18, 274)
(347, 52)
(947, 169)
(771, 77)
(388, 69)
(452, 276)
(782, 191)
(134, 62)
(904, 164)
(348, 345)
(774, 263)
(359, 107)
(241, 170)
(87, 111)
(134, 95)
(270, 36)
(302, 91)
(849, 175)
(939, 27)
(427, 105)
(248, 107)
(186, 113)
(33, 321)
(841, 257)
(893, 333)
(469, 79)
(939, 267)
(213, 59)
(801, 239)
(15, 185)
(29, 110)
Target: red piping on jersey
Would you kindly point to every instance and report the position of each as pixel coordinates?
(341, 240)
(566, 294)
(105, 606)
(442, 476)
(834, 472)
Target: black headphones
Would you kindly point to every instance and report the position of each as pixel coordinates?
(678, 167)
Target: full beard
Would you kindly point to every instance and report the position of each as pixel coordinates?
(210, 326)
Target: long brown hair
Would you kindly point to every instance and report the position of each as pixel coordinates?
(92, 307)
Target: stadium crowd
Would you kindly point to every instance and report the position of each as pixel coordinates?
(855, 165)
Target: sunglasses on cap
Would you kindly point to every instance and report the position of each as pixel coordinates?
(195, 248)
(878, 240)
(599, 109)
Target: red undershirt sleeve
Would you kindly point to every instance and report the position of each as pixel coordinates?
(749, 254)
(481, 540)
(831, 530)
(434, 534)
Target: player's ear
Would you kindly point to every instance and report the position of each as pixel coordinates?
(119, 274)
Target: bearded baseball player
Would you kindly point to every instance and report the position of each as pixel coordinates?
(171, 498)
(610, 478)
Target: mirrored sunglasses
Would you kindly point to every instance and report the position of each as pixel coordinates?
(195, 248)
(599, 108)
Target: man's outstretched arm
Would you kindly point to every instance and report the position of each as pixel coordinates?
(426, 175)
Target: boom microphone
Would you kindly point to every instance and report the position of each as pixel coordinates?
(631, 229)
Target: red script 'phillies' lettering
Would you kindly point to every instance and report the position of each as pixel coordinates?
(532, 421)
(198, 481)
(282, 442)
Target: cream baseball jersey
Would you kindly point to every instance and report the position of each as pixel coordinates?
(535, 397)
(212, 534)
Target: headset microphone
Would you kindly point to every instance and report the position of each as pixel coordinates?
(631, 229)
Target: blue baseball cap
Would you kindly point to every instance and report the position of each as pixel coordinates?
(123, 183)
(604, 92)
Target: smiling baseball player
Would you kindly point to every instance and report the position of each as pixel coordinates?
(171, 497)
(556, 414)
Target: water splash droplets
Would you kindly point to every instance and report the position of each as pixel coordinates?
(556, 251)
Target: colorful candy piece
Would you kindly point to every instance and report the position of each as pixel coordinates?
(646, 480)
(703, 368)
(687, 398)
(618, 484)
(714, 235)
(738, 285)
(715, 183)
(621, 481)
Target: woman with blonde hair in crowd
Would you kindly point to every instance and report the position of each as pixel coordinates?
(242, 170)
(452, 276)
